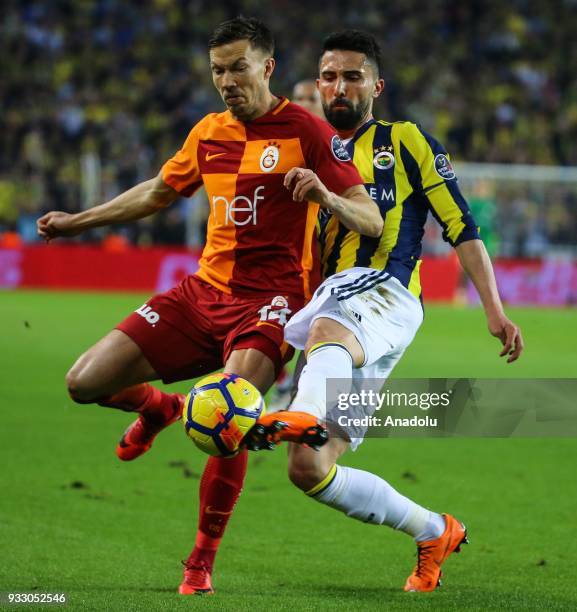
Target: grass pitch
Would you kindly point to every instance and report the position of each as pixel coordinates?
(74, 519)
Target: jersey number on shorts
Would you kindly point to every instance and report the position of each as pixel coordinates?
(277, 310)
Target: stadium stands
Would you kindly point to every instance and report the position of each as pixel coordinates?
(96, 94)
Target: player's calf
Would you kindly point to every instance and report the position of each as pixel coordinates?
(156, 410)
(307, 468)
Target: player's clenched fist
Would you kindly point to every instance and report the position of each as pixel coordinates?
(55, 224)
(306, 185)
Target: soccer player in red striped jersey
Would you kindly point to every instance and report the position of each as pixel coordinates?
(266, 165)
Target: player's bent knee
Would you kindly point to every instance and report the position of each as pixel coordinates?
(306, 474)
(304, 477)
(328, 330)
(322, 330)
(79, 388)
(307, 468)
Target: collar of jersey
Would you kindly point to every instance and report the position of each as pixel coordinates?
(363, 129)
(269, 113)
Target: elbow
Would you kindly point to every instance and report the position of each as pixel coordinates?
(376, 222)
(158, 195)
(376, 228)
(154, 204)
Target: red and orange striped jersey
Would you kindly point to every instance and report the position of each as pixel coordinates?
(258, 238)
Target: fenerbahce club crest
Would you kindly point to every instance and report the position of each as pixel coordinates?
(269, 158)
(383, 159)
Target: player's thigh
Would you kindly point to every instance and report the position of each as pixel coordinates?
(256, 349)
(326, 329)
(173, 331)
(252, 364)
(307, 467)
(388, 317)
(113, 363)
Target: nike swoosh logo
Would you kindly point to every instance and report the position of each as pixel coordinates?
(209, 510)
(210, 156)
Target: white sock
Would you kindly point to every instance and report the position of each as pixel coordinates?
(324, 360)
(368, 498)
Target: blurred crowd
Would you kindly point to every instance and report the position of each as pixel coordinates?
(96, 94)
(516, 217)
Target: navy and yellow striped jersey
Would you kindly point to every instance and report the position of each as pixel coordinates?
(407, 173)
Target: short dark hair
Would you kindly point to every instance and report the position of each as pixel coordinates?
(355, 40)
(243, 28)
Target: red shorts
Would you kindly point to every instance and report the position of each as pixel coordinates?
(192, 329)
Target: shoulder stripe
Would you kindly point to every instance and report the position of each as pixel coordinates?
(411, 168)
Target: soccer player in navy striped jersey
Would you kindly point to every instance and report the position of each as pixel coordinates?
(368, 310)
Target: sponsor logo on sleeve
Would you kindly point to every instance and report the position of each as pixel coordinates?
(443, 167)
(339, 150)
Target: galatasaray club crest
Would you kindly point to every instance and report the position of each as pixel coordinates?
(269, 158)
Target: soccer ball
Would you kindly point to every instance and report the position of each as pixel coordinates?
(219, 411)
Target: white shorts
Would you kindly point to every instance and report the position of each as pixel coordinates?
(382, 314)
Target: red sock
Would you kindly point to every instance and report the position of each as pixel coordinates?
(220, 487)
(146, 400)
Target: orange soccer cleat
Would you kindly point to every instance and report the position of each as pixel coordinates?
(139, 436)
(287, 425)
(432, 554)
(196, 581)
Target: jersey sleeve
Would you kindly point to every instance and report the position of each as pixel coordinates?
(326, 155)
(182, 171)
(430, 173)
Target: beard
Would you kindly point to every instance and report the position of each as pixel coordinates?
(345, 118)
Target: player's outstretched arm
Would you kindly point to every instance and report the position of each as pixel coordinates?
(477, 264)
(142, 200)
(354, 208)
